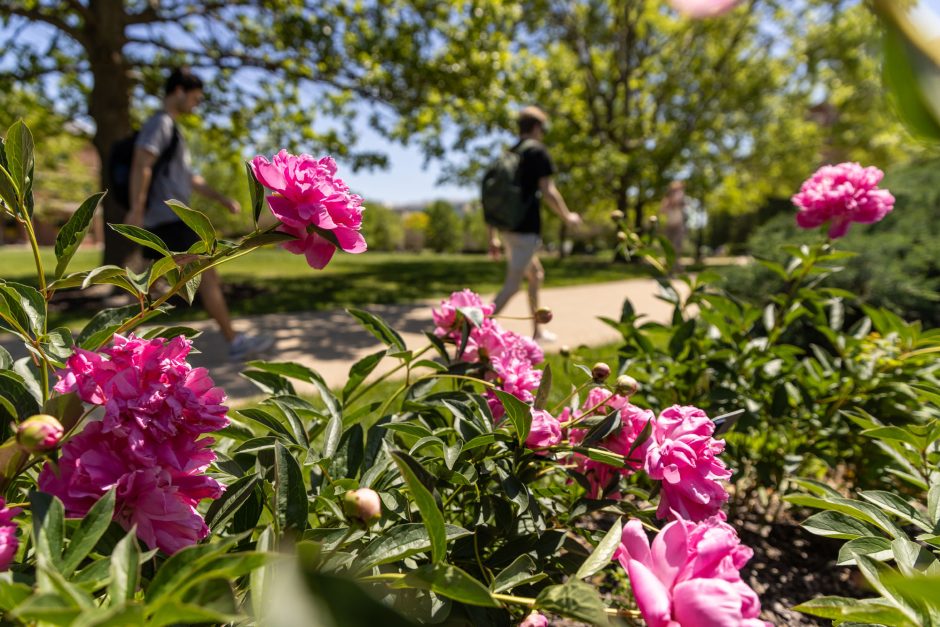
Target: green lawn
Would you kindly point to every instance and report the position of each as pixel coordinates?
(273, 280)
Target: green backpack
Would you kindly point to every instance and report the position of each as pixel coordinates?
(503, 205)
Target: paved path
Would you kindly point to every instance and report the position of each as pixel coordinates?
(331, 341)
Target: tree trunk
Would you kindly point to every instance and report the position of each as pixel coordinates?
(109, 105)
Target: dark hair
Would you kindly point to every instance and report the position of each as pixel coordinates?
(182, 77)
(527, 124)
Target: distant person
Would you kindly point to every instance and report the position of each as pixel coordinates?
(512, 194)
(673, 210)
(151, 187)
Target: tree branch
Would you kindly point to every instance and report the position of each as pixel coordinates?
(36, 14)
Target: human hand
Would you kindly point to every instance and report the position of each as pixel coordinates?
(573, 219)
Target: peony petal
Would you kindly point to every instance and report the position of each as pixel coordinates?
(706, 603)
(651, 595)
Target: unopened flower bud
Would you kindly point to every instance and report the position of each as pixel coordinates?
(626, 385)
(621, 236)
(654, 220)
(535, 619)
(616, 216)
(363, 505)
(565, 351)
(543, 315)
(39, 433)
(600, 372)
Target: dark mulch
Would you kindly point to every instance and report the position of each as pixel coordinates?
(790, 566)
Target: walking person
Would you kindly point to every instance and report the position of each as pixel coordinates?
(521, 234)
(161, 171)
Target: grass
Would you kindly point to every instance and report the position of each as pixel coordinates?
(274, 281)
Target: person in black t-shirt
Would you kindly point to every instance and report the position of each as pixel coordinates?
(522, 243)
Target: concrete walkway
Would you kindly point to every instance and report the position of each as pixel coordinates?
(331, 341)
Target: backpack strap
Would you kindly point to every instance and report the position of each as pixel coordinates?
(164, 159)
(524, 144)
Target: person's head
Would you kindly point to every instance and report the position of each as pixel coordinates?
(532, 123)
(676, 189)
(182, 90)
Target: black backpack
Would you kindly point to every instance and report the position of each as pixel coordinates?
(119, 165)
(503, 204)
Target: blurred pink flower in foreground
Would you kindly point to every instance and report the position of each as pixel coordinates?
(308, 198)
(689, 576)
(682, 455)
(9, 543)
(842, 194)
(703, 8)
(534, 620)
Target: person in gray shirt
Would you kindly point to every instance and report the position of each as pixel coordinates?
(151, 187)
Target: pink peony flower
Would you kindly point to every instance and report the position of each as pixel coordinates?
(545, 430)
(534, 619)
(158, 488)
(310, 197)
(445, 320)
(148, 444)
(682, 455)
(703, 8)
(602, 477)
(146, 386)
(9, 543)
(689, 575)
(842, 194)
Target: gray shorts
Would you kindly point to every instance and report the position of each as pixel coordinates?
(520, 249)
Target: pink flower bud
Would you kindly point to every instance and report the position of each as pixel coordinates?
(363, 505)
(534, 620)
(626, 385)
(543, 315)
(39, 433)
(600, 372)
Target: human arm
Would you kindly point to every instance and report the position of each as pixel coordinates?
(556, 202)
(204, 189)
(141, 175)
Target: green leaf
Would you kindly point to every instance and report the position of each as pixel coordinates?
(105, 319)
(837, 525)
(18, 146)
(603, 553)
(451, 582)
(225, 507)
(92, 527)
(874, 546)
(197, 221)
(900, 72)
(843, 609)
(47, 609)
(183, 566)
(12, 593)
(379, 328)
(261, 577)
(857, 509)
(73, 232)
(9, 193)
(360, 370)
(118, 616)
(289, 489)
(180, 613)
(191, 288)
(20, 403)
(574, 600)
(875, 572)
(933, 503)
(142, 237)
(27, 304)
(518, 412)
(256, 192)
(519, 573)
(6, 360)
(896, 433)
(48, 527)
(402, 541)
(302, 373)
(430, 514)
(125, 568)
(264, 239)
(332, 437)
(896, 505)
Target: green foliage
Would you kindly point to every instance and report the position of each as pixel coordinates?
(895, 266)
(382, 228)
(443, 232)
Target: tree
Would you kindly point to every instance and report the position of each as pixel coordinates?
(639, 97)
(280, 68)
(382, 227)
(443, 232)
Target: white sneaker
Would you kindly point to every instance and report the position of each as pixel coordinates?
(247, 346)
